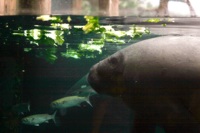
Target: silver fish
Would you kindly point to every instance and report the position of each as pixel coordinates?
(69, 101)
(81, 88)
(38, 119)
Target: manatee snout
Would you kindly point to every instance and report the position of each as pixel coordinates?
(105, 76)
(92, 77)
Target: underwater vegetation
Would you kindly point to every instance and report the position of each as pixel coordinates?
(92, 37)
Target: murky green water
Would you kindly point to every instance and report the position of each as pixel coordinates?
(44, 60)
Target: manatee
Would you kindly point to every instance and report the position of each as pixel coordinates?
(159, 79)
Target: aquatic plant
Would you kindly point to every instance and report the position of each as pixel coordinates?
(163, 21)
(79, 41)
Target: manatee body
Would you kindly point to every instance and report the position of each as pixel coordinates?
(159, 79)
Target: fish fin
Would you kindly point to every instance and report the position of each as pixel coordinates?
(88, 100)
(36, 125)
(53, 116)
(89, 103)
(29, 107)
(55, 119)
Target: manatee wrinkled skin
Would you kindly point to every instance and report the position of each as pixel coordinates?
(159, 79)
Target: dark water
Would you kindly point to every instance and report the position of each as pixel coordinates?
(35, 69)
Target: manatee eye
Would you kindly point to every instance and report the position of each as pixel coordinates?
(113, 60)
(116, 58)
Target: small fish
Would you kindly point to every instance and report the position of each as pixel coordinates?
(81, 87)
(38, 119)
(69, 101)
(21, 108)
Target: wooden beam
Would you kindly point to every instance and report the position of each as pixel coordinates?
(76, 7)
(109, 7)
(34, 7)
(2, 7)
(8, 7)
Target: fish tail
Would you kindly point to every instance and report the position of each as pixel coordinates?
(55, 119)
(88, 100)
(54, 116)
